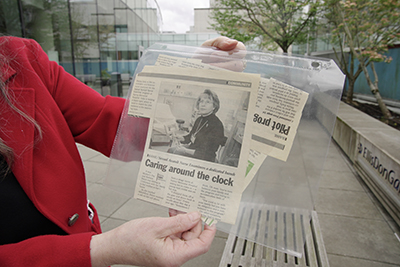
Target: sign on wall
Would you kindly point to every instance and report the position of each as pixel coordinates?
(383, 169)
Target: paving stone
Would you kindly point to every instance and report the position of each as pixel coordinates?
(106, 200)
(95, 171)
(341, 261)
(361, 238)
(344, 180)
(212, 257)
(346, 203)
(134, 209)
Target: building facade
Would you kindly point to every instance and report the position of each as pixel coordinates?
(97, 41)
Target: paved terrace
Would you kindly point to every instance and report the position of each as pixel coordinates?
(356, 229)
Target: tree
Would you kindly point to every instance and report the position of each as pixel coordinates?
(280, 22)
(345, 60)
(369, 27)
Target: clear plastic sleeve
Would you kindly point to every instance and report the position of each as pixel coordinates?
(282, 193)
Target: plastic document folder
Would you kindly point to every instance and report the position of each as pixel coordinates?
(241, 137)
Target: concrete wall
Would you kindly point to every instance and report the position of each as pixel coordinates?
(374, 149)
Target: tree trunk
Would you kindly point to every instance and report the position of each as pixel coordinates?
(375, 91)
(385, 111)
(284, 49)
(350, 90)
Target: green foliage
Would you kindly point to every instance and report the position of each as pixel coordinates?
(105, 74)
(368, 28)
(280, 22)
(373, 25)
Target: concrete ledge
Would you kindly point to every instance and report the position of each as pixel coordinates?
(374, 149)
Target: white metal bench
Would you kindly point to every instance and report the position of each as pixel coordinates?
(286, 229)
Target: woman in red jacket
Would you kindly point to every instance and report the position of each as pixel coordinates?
(44, 112)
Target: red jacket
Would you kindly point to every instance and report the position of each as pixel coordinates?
(50, 171)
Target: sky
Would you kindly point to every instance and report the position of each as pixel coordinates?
(178, 15)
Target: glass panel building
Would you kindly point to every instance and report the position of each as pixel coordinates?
(97, 41)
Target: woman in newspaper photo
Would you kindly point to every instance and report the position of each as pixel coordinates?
(207, 133)
(46, 217)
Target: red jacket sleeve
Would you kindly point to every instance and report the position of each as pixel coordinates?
(49, 251)
(92, 118)
(93, 121)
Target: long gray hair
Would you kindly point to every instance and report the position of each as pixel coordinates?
(6, 99)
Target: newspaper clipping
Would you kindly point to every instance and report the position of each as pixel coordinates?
(276, 118)
(199, 138)
(210, 131)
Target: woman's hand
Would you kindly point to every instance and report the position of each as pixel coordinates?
(190, 234)
(225, 44)
(153, 242)
(225, 53)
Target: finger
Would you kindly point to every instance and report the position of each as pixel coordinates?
(237, 65)
(210, 228)
(219, 55)
(178, 224)
(240, 46)
(172, 212)
(208, 234)
(202, 244)
(223, 43)
(192, 233)
(209, 56)
(180, 212)
(227, 53)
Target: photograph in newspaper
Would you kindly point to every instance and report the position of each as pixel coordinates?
(195, 122)
(199, 139)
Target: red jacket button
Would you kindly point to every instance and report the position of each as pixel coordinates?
(72, 220)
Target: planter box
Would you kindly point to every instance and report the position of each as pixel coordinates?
(374, 149)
